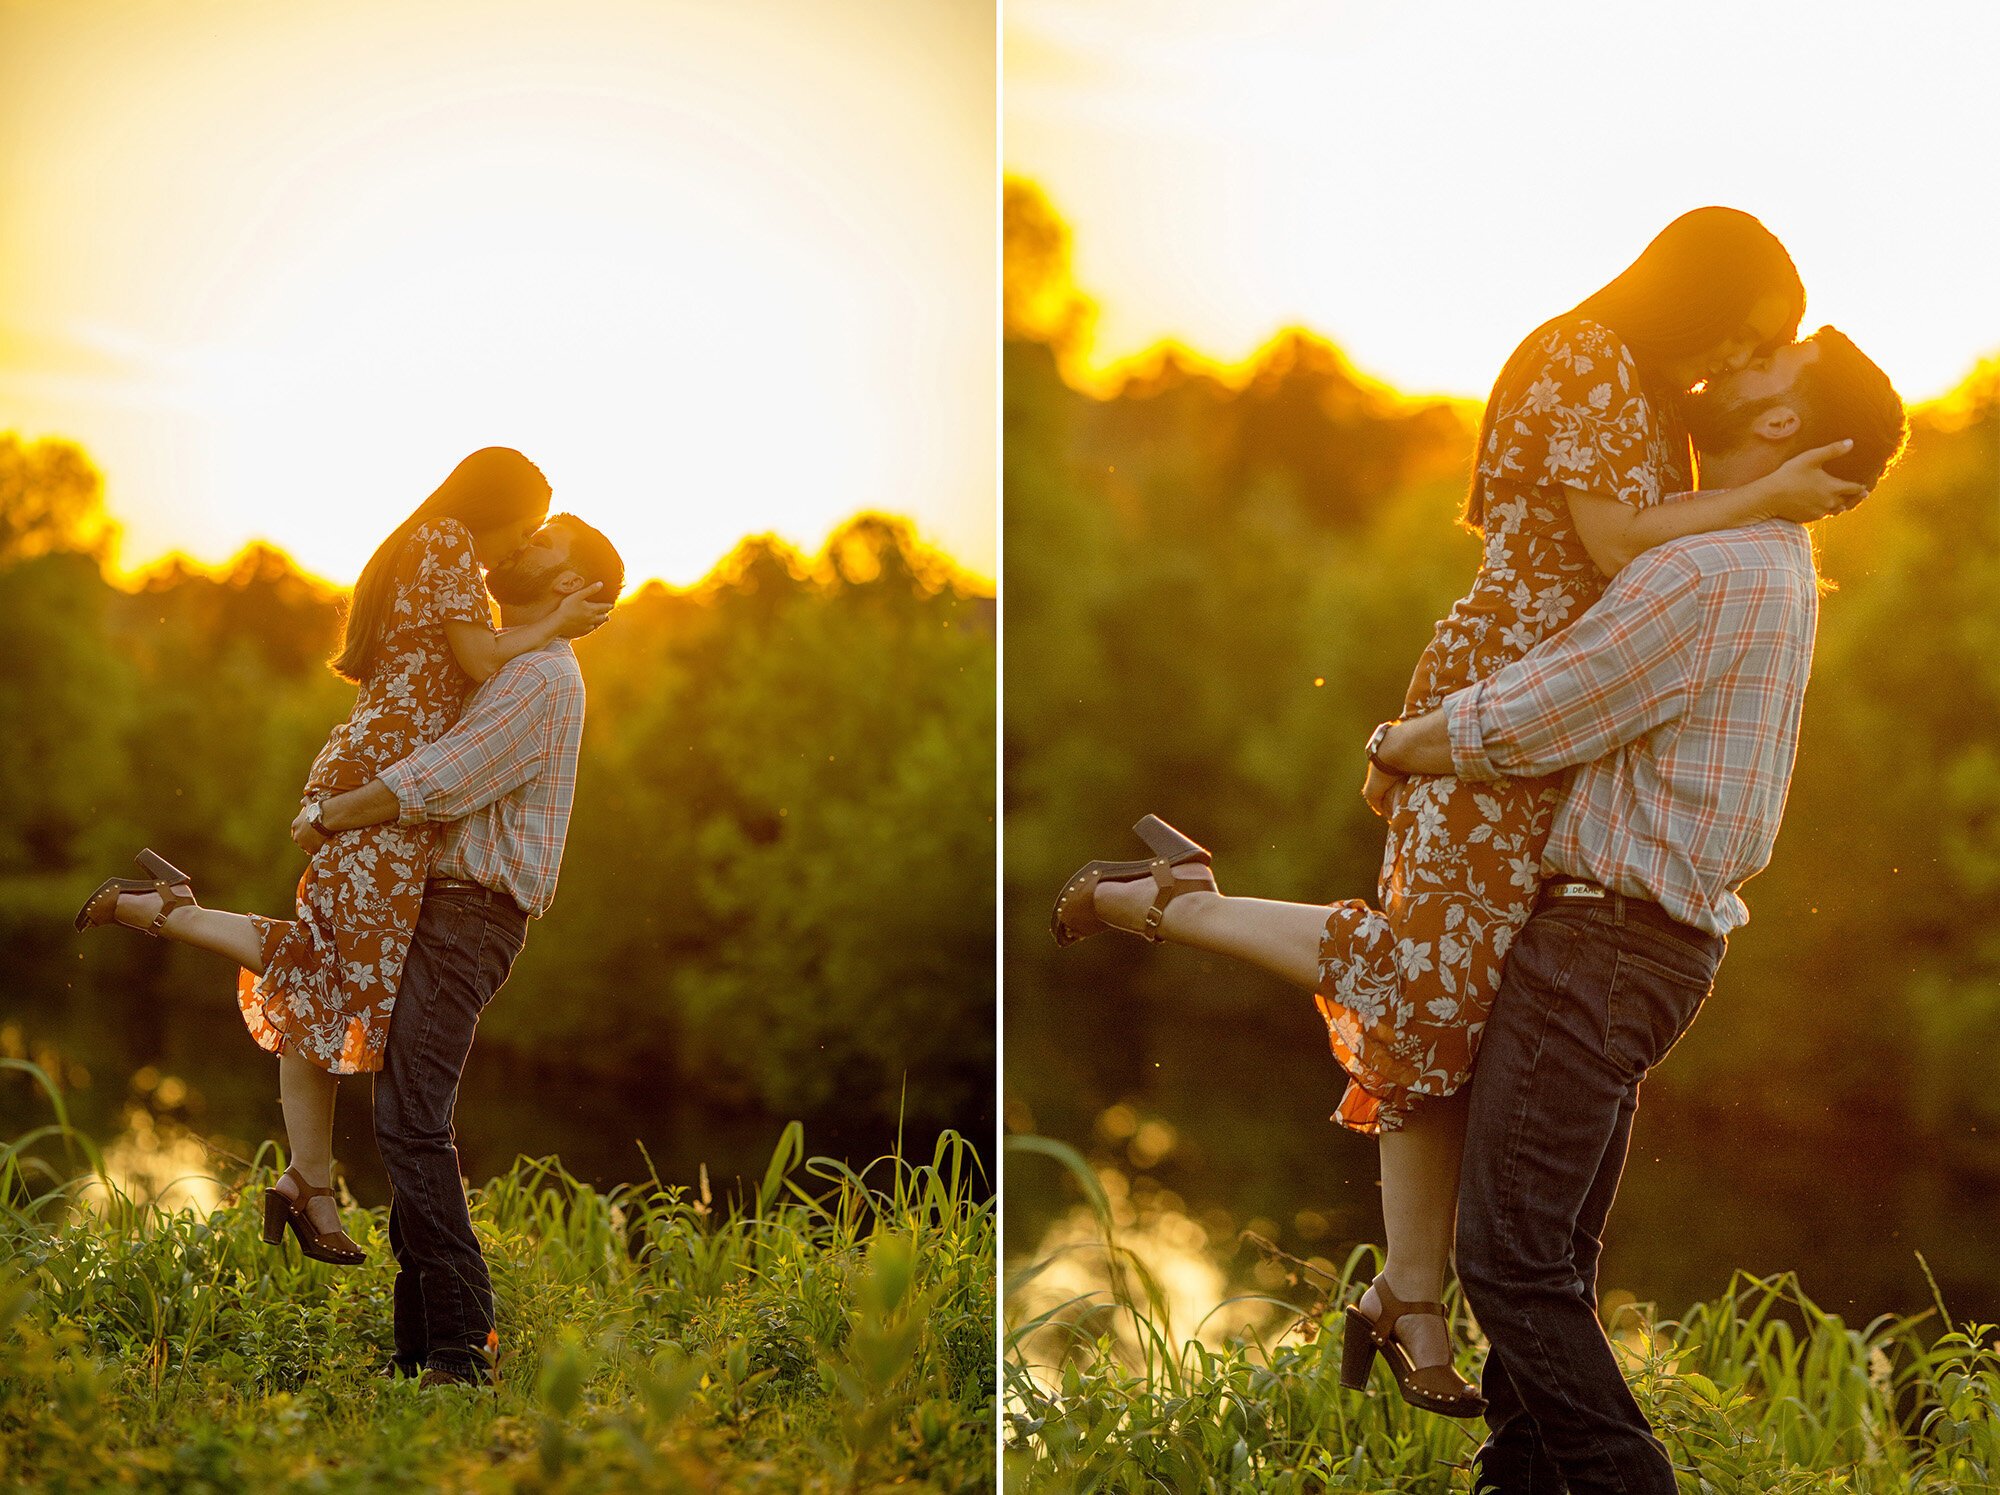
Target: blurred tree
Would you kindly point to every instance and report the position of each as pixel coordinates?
(779, 884)
(1039, 299)
(51, 500)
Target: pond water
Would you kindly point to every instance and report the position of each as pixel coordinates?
(181, 1092)
(1227, 1140)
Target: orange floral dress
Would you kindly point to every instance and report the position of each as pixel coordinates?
(1405, 988)
(330, 975)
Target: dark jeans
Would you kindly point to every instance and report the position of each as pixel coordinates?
(1594, 994)
(465, 943)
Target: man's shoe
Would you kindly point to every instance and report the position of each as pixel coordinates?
(393, 1369)
(439, 1375)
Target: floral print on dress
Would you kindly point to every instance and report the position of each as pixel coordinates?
(1405, 987)
(331, 975)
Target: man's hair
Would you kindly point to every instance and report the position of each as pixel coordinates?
(1842, 394)
(593, 557)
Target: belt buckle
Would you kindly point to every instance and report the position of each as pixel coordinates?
(1570, 887)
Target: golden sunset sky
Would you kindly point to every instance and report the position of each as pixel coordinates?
(718, 268)
(1427, 183)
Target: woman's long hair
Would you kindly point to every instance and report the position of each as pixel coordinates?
(496, 485)
(1686, 293)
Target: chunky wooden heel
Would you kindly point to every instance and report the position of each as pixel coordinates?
(1075, 916)
(161, 870)
(1164, 841)
(1357, 1350)
(276, 1214)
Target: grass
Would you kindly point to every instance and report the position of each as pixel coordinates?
(832, 1335)
(1759, 1390)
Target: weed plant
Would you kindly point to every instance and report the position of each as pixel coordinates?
(835, 1334)
(1757, 1391)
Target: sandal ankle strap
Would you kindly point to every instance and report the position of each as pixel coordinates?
(1170, 888)
(1394, 1308)
(306, 1190)
(170, 899)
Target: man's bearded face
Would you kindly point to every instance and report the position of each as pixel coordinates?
(527, 575)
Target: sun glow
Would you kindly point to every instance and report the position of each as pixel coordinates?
(1424, 184)
(716, 269)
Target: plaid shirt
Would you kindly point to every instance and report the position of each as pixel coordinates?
(1679, 694)
(502, 778)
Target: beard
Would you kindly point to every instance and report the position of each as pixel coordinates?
(517, 581)
(1718, 423)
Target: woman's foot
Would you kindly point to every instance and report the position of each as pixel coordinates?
(1415, 1339)
(144, 904)
(320, 1208)
(309, 1212)
(141, 911)
(1125, 905)
(1425, 1335)
(1178, 865)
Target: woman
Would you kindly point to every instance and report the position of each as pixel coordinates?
(1581, 442)
(318, 990)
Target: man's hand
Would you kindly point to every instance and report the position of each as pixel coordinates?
(1418, 744)
(1377, 788)
(304, 836)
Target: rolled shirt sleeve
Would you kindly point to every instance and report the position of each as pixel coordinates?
(1623, 668)
(491, 750)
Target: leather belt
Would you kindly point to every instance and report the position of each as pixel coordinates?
(467, 885)
(1623, 908)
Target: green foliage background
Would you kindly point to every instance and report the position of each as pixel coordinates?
(777, 894)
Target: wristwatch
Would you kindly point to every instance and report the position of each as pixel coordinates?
(317, 819)
(1375, 741)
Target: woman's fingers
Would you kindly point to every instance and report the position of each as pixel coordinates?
(1819, 456)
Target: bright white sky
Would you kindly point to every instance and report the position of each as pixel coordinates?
(1425, 183)
(718, 268)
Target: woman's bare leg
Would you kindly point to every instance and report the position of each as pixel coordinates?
(307, 1094)
(1282, 938)
(1419, 1212)
(1419, 1161)
(233, 935)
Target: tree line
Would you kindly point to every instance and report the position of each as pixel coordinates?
(778, 888)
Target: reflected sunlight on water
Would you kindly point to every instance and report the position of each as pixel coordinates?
(154, 1162)
(1164, 1271)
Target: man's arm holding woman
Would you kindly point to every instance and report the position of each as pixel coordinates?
(1620, 670)
(494, 748)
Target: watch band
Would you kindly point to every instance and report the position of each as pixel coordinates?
(1374, 748)
(317, 820)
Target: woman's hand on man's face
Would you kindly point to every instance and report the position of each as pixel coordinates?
(1806, 491)
(581, 612)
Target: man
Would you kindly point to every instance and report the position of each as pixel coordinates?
(1677, 700)
(500, 782)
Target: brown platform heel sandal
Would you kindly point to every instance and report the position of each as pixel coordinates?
(1075, 914)
(101, 907)
(281, 1210)
(1434, 1388)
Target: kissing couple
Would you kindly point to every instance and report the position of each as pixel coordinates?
(433, 820)
(1592, 759)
